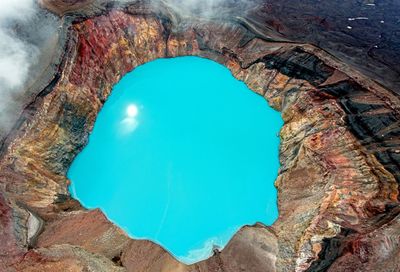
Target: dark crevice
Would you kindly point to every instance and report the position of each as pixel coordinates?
(117, 259)
(378, 133)
(332, 248)
(202, 44)
(297, 64)
(343, 243)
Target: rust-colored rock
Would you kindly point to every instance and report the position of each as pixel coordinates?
(99, 235)
(64, 258)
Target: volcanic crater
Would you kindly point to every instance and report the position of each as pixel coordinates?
(339, 152)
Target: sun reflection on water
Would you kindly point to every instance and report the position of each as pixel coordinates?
(130, 123)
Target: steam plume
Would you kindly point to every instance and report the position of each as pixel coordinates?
(16, 55)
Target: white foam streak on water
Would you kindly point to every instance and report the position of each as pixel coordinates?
(72, 186)
(128, 125)
(205, 251)
(164, 216)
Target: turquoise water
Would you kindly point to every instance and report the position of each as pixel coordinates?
(183, 154)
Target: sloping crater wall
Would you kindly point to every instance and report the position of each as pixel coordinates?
(337, 188)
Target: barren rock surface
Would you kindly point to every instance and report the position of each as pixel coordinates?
(339, 153)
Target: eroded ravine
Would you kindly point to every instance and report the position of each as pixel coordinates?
(337, 189)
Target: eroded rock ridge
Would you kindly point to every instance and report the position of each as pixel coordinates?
(339, 153)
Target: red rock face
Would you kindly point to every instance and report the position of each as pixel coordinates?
(11, 246)
(338, 200)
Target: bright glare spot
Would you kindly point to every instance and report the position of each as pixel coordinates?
(132, 110)
(130, 123)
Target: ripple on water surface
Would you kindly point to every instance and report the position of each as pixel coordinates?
(183, 154)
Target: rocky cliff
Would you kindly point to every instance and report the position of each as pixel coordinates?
(340, 156)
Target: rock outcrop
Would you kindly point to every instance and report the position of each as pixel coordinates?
(61, 7)
(340, 156)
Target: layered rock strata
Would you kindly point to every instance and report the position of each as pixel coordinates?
(339, 153)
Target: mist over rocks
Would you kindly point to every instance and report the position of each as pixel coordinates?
(338, 184)
(28, 35)
(30, 42)
(29, 32)
(16, 53)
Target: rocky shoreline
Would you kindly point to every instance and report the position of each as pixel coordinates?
(340, 156)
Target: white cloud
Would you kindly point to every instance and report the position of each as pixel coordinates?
(16, 9)
(202, 8)
(23, 26)
(16, 55)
